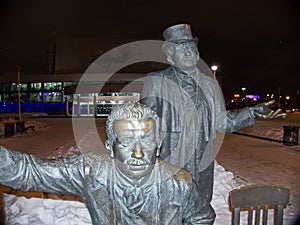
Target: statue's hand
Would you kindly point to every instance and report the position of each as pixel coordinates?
(263, 111)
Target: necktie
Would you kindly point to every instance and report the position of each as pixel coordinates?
(190, 87)
(134, 198)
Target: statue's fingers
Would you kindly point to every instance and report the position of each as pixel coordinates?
(260, 115)
(281, 115)
(257, 115)
(277, 111)
(278, 114)
(269, 102)
(269, 115)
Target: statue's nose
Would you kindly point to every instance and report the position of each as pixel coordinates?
(137, 151)
(187, 52)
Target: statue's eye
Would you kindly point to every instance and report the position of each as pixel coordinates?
(126, 143)
(179, 48)
(147, 142)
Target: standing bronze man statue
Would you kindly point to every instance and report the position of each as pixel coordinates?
(130, 185)
(190, 104)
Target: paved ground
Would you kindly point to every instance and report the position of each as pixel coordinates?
(52, 135)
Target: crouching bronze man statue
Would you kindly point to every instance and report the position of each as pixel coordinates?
(130, 185)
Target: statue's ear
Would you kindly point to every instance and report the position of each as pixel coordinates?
(167, 49)
(170, 60)
(109, 148)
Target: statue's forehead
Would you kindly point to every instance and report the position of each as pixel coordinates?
(185, 45)
(134, 124)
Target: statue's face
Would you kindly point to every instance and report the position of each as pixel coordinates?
(185, 56)
(135, 146)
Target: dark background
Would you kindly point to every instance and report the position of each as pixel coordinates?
(256, 43)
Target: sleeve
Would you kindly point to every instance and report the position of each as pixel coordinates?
(226, 121)
(30, 173)
(229, 121)
(197, 210)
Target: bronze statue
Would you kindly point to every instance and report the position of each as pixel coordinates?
(190, 104)
(130, 185)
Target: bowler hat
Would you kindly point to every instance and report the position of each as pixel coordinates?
(179, 33)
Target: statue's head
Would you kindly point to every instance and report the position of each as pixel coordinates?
(180, 47)
(133, 138)
(180, 33)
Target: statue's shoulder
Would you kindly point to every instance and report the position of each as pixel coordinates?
(95, 156)
(183, 176)
(160, 73)
(96, 161)
(177, 174)
(208, 79)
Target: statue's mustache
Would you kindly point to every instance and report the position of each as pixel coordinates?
(137, 162)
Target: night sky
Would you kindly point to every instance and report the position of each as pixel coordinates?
(255, 43)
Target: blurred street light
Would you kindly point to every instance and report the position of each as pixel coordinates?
(243, 89)
(214, 69)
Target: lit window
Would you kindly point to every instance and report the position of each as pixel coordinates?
(36, 86)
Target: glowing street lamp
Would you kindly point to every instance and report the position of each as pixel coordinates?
(243, 89)
(214, 69)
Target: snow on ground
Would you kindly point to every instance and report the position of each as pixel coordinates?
(42, 211)
(39, 211)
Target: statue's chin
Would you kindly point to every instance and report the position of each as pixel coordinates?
(187, 67)
(134, 171)
(137, 167)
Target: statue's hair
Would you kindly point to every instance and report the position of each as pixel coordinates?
(167, 48)
(129, 111)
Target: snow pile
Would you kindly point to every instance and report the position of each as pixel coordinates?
(39, 211)
(270, 129)
(273, 133)
(224, 182)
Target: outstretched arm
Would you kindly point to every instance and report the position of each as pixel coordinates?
(30, 173)
(228, 121)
